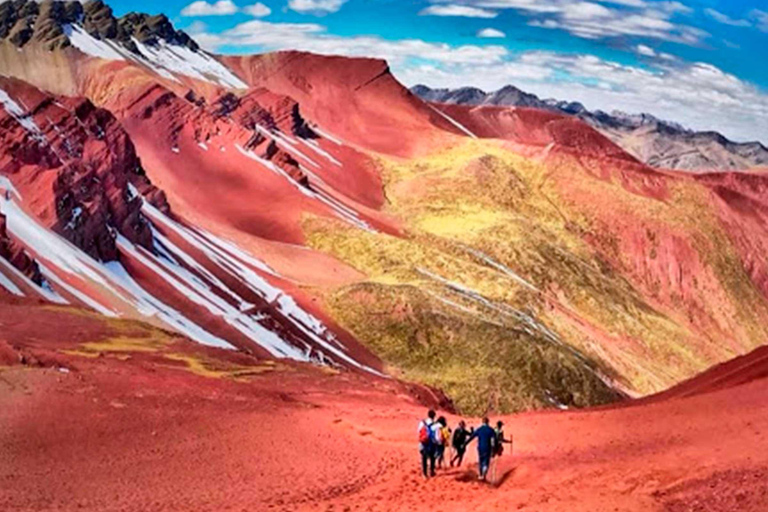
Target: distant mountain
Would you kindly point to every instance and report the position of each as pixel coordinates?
(654, 141)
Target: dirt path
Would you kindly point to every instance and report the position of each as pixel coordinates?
(138, 430)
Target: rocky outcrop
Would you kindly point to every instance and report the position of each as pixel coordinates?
(658, 143)
(250, 120)
(78, 164)
(264, 108)
(46, 23)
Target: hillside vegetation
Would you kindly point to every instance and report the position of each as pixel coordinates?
(509, 294)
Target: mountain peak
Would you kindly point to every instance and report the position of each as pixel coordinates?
(49, 23)
(92, 29)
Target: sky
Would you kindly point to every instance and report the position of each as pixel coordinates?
(701, 63)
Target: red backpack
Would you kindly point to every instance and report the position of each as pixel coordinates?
(424, 434)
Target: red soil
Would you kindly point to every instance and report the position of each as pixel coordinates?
(742, 205)
(357, 100)
(140, 432)
(561, 141)
(533, 127)
(195, 154)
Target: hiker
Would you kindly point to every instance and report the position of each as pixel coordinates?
(500, 440)
(426, 445)
(460, 437)
(442, 440)
(486, 442)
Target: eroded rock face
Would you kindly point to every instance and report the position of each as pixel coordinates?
(46, 23)
(247, 120)
(78, 167)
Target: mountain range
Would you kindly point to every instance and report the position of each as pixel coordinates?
(658, 143)
(200, 253)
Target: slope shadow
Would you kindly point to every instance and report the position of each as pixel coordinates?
(470, 475)
(467, 475)
(503, 478)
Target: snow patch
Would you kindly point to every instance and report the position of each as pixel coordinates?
(286, 143)
(326, 135)
(239, 264)
(89, 45)
(82, 297)
(77, 212)
(502, 268)
(195, 64)
(149, 305)
(110, 276)
(164, 59)
(340, 210)
(45, 290)
(5, 183)
(320, 151)
(9, 285)
(133, 193)
(22, 117)
(453, 121)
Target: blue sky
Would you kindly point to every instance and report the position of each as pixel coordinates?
(698, 62)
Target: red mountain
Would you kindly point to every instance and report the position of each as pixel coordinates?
(167, 212)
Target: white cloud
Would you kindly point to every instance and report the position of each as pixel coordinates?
(761, 19)
(257, 10)
(646, 51)
(755, 19)
(465, 11)
(697, 95)
(224, 8)
(491, 33)
(203, 8)
(599, 18)
(317, 7)
(725, 19)
(313, 37)
(196, 27)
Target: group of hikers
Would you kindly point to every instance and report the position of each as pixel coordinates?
(435, 437)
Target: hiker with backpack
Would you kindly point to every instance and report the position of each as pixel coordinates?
(486, 444)
(459, 442)
(442, 440)
(426, 444)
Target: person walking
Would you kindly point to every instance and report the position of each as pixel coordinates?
(443, 437)
(486, 443)
(500, 439)
(426, 444)
(459, 443)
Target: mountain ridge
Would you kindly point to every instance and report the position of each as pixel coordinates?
(46, 22)
(659, 143)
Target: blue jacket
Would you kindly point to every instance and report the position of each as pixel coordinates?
(486, 439)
